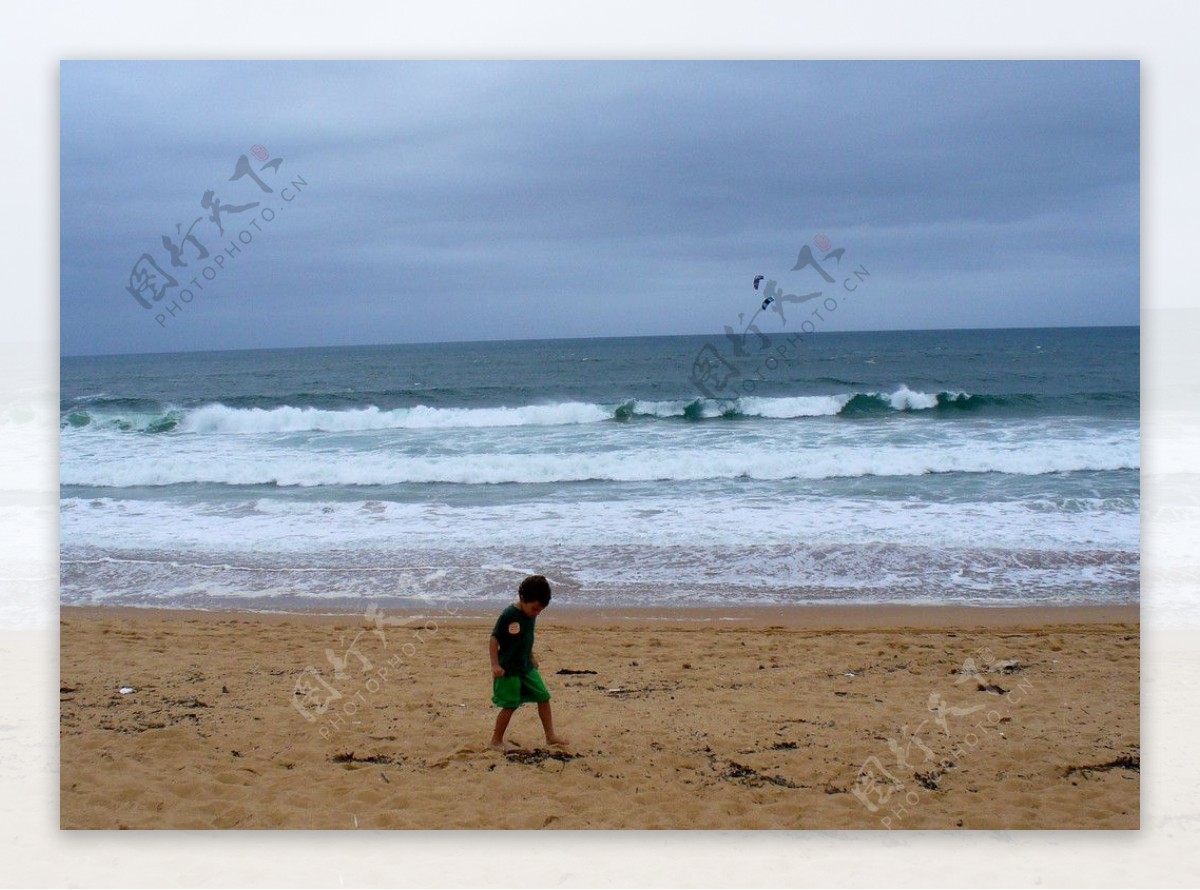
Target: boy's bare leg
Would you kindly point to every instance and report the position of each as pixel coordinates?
(548, 724)
(502, 719)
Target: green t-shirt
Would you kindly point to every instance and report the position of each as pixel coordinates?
(514, 632)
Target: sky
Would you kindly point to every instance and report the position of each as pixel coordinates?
(449, 201)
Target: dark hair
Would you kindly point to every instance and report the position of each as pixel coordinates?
(535, 589)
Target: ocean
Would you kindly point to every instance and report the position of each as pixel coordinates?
(985, 467)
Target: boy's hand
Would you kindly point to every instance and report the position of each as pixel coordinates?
(497, 671)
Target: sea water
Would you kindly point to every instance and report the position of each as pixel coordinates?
(995, 467)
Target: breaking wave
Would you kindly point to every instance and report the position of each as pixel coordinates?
(140, 416)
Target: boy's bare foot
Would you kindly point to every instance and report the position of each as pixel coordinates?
(557, 741)
(504, 747)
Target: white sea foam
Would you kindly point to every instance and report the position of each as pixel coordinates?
(693, 549)
(266, 525)
(222, 419)
(796, 406)
(904, 399)
(119, 461)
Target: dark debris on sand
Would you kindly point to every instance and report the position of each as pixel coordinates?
(351, 757)
(1131, 762)
(749, 775)
(540, 755)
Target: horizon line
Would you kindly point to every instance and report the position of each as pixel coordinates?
(553, 339)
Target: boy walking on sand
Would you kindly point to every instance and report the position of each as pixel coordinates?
(515, 679)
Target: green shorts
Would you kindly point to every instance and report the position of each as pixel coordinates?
(517, 689)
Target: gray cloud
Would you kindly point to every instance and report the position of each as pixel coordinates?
(492, 200)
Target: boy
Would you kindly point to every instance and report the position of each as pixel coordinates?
(515, 679)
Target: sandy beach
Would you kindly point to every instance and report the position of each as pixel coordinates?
(806, 717)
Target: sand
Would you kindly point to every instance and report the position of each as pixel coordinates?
(876, 718)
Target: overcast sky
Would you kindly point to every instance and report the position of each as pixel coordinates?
(466, 201)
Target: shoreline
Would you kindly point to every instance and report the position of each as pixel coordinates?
(790, 617)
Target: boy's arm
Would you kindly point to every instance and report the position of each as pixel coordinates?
(494, 652)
